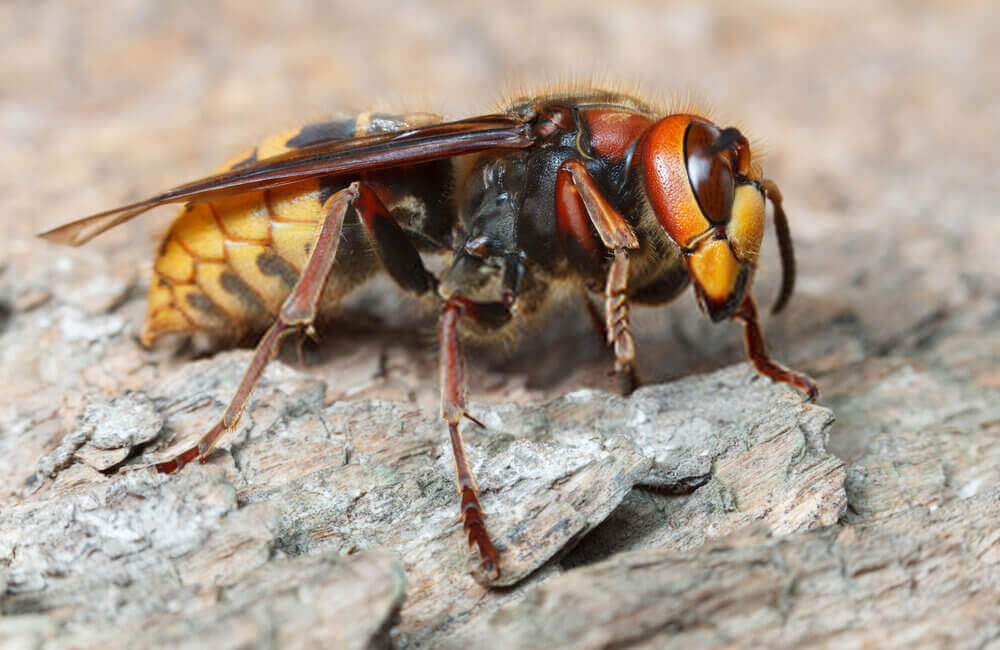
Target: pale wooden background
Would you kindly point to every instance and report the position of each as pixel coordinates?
(880, 122)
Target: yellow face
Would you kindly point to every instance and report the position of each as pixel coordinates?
(715, 269)
(746, 226)
(722, 266)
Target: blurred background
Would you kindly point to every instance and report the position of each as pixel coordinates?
(880, 122)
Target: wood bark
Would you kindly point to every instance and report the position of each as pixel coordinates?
(709, 509)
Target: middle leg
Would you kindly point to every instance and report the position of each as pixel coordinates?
(453, 406)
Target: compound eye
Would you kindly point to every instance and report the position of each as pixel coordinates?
(710, 171)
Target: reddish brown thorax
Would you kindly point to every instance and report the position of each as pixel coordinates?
(613, 131)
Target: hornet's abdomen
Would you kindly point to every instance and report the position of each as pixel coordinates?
(227, 265)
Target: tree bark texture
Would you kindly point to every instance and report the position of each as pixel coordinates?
(711, 508)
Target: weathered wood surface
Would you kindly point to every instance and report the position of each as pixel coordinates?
(916, 564)
(711, 511)
(300, 481)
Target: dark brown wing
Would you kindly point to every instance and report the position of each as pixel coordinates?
(503, 131)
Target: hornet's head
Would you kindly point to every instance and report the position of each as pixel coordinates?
(709, 197)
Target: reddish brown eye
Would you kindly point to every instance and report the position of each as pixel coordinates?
(710, 172)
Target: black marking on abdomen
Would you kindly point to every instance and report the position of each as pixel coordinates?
(342, 129)
(235, 285)
(204, 304)
(275, 265)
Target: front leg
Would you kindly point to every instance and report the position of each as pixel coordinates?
(753, 337)
(616, 323)
(579, 202)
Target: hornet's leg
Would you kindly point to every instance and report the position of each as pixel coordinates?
(398, 255)
(753, 337)
(578, 197)
(453, 405)
(616, 320)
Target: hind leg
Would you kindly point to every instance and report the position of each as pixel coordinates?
(399, 258)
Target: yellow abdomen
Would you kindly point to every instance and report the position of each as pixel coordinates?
(231, 263)
(227, 265)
